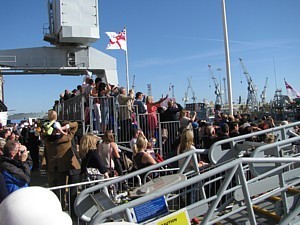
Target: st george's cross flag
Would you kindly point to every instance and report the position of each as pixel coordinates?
(291, 92)
(117, 40)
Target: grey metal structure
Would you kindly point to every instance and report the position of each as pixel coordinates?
(229, 192)
(251, 102)
(73, 27)
(218, 91)
(263, 94)
(186, 98)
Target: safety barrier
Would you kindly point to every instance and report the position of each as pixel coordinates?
(240, 147)
(71, 109)
(106, 114)
(198, 195)
(213, 194)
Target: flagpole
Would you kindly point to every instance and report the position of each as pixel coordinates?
(126, 59)
(127, 73)
(227, 56)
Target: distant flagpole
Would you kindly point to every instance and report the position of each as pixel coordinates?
(119, 41)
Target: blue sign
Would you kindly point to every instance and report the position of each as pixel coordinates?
(151, 209)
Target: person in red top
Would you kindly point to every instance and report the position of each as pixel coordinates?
(151, 108)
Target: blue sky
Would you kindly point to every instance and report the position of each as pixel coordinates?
(168, 42)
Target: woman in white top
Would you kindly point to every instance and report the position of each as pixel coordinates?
(109, 152)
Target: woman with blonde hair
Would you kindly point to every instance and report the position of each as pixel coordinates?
(151, 109)
(141, 158)
(89, 154)
(187, 144)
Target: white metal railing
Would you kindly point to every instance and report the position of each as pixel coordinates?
(218, 186)
(217, 154)
(232, 179)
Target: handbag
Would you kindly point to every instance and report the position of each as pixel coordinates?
(127, 163)
(93, 174)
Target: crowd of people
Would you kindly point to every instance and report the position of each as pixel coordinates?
(68, 157)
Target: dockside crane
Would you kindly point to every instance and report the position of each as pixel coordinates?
(252, 90)
(149, 89)
(263, 94)
(133, 80)
(218, 91)
(171, 88)
(185, 98)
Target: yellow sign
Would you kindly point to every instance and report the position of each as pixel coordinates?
(177, 218)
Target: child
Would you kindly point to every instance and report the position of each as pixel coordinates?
(57, 129)
(150, 150)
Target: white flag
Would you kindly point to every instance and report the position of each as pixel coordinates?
(117, 40)
(291, 92)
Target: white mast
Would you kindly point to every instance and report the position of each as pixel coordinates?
(228, 71)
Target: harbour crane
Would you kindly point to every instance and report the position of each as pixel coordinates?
(171, 88)
(185, 98)
(149, 89)
(225, 91)
(133, 80)
(263, 94)
(252, 90)
(217, 88)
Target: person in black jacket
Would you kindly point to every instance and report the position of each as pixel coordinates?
(171, 112)
(90, 156)
(33, 145)
(141, 109)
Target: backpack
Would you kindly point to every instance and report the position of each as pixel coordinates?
(48, 128)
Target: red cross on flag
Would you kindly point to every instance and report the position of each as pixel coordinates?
(291, 92)
(117, 40)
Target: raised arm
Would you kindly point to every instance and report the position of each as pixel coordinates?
(161, 100)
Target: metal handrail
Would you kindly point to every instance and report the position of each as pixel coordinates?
(216, 151)
(235, 164)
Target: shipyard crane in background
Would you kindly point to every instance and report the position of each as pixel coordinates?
(133, 80)
(171, 88)
(218, 91)
(149, 88)
(252, 90)
(186, 98)
(225, 92)
(263, 93)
